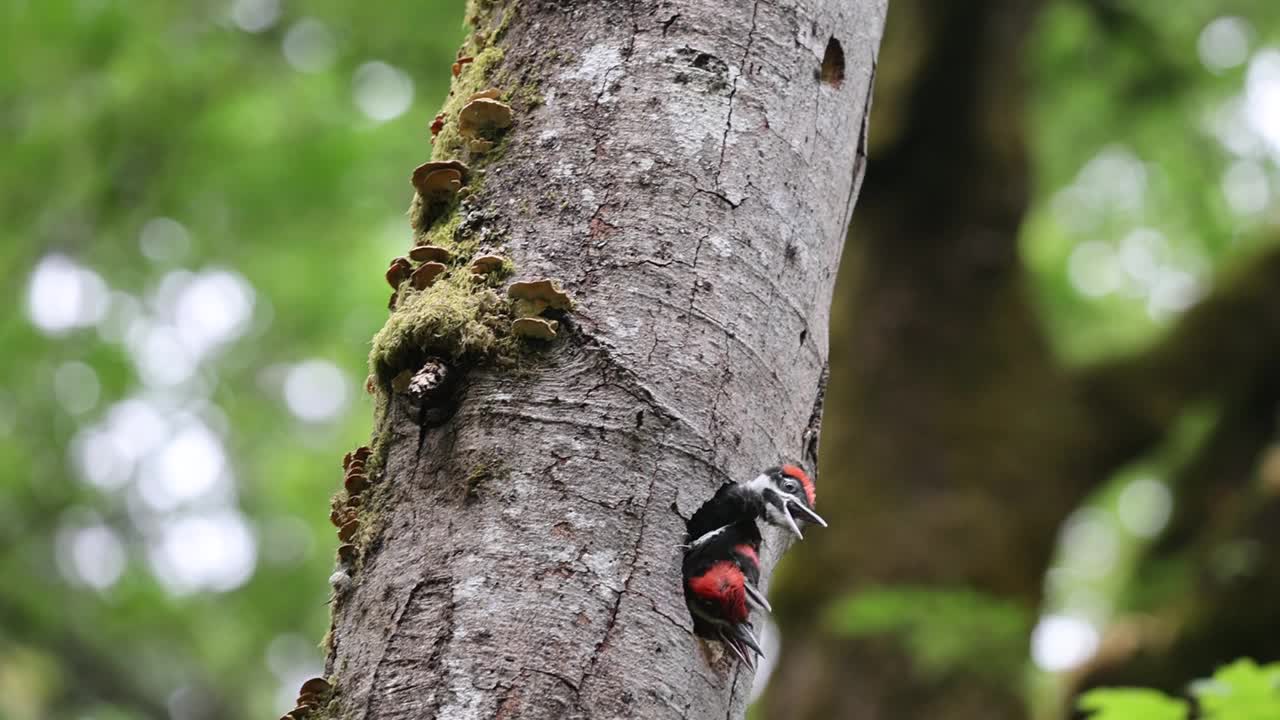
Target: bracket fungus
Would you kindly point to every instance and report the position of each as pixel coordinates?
(347, 532)
(534, 327)
(537, 296)
(398, 271)
(430, 253)
(485, 264)
(438, 183)
(483, 117)
(426, 275)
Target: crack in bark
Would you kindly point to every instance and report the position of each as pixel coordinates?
(433, 660)
(733, 91)
(626, 587)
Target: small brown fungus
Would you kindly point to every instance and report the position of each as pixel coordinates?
(356, 483)
(316, 686)
(437, 125)
(431, 177)
(535, 328)
(535, 297)
(426, 275)
(398, 271)
(483, 117)
(490, 94)
(370, 384)
(461, 63)
(361, 453)
(347, 532)
(391, 305)
(337, 517)
(486, 264)
(430, 253)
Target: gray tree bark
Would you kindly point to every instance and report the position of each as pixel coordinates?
(687, 171)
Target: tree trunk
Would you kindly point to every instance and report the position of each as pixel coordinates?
(686, 170)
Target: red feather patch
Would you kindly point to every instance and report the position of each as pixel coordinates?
(798, 474)
(722, 583)
(749, 552)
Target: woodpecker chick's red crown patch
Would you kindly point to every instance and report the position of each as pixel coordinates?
(722, 582)
(810, 492)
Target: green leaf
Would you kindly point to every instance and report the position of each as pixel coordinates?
(1132, 704)
(1241, 691)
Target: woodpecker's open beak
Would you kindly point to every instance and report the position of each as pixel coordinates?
(739, 639)
(743, 633)
(735, 645)
(804, 511)
(755, 598)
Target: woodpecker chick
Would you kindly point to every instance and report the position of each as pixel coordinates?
(720, 578)
(778, 495)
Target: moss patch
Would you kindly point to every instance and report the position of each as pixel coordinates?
(479, 74)
(456, 318)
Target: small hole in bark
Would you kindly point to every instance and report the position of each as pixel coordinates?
(804, 335)
(833, 64)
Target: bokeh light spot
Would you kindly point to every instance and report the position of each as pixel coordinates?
(1144, 507)
(315, 390)
(382, 92)
(1062, 642)
(309, 46)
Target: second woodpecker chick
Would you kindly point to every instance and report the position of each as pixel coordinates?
(720, 578)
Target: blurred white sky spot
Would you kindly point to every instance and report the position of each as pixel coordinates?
(1246, 187)
(100, 460)
(1089, 543)
(309, 46)
(164, 240)
(212, 551)
(189, 466)
(1141, 252)
(213, 308)
(1075, 210)
(286, 541)
(63, 295)
(1093, 269)
(124, 312)
(1144, 507)
(1262, 96)
(76, 387)
(1116, 178)
(315, 390)
(1174, 291)
(771, 643)
(1224, 43)
(382, 92)
(1229, 125)
(90, 554)
(255, 15)
(286, 653)
(1062, 642)
(136, 426)
(160, 356)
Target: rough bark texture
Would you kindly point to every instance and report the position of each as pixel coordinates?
(687, 171)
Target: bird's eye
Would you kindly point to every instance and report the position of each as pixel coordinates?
(790, 486)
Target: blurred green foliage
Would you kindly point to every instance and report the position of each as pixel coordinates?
(199, 201)
(942, 628)
(1239, 691)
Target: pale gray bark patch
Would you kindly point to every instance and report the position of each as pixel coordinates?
(688, 178)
